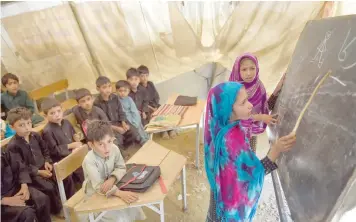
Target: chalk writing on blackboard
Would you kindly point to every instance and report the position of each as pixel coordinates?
(321, 50)
(298, 62)
(343, 51)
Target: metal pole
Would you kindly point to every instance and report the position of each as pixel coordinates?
(98, 70)
(279, 197)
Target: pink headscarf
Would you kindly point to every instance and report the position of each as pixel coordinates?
(256, 95)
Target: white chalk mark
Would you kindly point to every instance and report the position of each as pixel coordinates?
(321, 50)
(343, 50)
(316, 79)
(338, 80)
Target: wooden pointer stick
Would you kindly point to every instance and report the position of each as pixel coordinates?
(309, 101)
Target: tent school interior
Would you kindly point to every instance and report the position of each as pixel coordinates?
(56, 47)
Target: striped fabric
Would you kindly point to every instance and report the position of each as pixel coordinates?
(170, 109)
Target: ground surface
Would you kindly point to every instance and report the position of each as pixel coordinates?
(198, 186)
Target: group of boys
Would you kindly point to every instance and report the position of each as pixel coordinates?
(28, 187)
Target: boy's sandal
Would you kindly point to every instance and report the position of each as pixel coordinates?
(172, 134)
(165, 135)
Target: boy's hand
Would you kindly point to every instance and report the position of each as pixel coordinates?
(77, 137)
(23, 192)
(2, 135)
(48, 166)
(107, 185)
(75, 145)
(45, 173)
(125, 126)
(15, 201)
(127, 196)
(152, 108)
(120, 130)
(144, 116)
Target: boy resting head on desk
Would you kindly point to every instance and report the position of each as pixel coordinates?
(104, 167)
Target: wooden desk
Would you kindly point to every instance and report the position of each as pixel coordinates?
(151, 153)
(191, 117)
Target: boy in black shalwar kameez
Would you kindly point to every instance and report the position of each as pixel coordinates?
(19, 201)
(28, 147)
(152, 97)
(125, 133)
(139, 95)
(59, 135)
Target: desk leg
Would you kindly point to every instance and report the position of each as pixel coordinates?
(161, 209)
(184, 189)
(91, 217)
(197, 143)
(151, 136)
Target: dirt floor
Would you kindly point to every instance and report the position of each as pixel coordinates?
(198, 186)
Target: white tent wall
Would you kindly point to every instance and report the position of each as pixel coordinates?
(45, 42)
(193, 83)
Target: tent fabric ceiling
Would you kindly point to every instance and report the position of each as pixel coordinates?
(45, 43)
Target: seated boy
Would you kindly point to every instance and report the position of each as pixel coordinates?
(152, 96)
(14, 97)
(6, 130)
(125, 133)
(138, 95)
(130, 109)
(103, 167)
(85, 110)
(30, 149)
(19, 201)
(61, 139)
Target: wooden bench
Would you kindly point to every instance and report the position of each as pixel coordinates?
(39, 128)
(63, 169)
(49, 90)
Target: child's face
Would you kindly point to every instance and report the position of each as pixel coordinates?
(55, 115)
(103, 147)
(247, 70)
(12, 86)
(123, 92)
(23, 127)
(105, 90)
(143, 78)
(242, 107)
(86, 102)
(134, 81)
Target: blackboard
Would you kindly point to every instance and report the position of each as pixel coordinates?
(317, 175)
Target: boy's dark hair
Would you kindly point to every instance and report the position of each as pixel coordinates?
(102, 80)
(98, 129)
(17, 114)
(131, 72)
(122, 83)
(7, 76)
(48, 104)
(80, 93)
(143, 69)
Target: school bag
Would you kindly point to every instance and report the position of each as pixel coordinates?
(140, 177)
